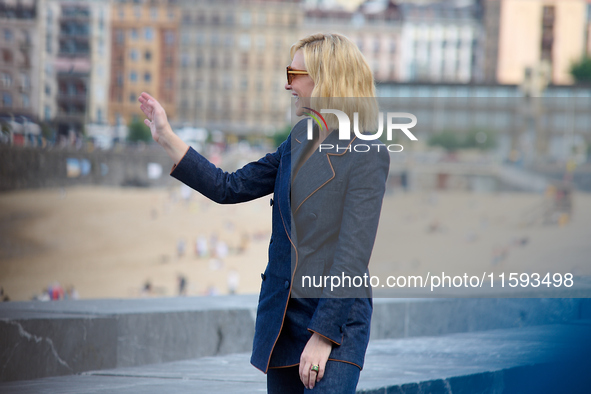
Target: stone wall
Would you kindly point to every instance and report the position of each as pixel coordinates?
(39, 339)
(29, 168)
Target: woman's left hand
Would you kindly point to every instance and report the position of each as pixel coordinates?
(316, 352)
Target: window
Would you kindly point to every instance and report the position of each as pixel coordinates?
(169, 37)
(7, 56)
(228, 61)
(133, 76)
(133, 54)
(229, 41)
(48, 46)
(8, 36)
(6, 80)
(185, 60)
(154, 13)
(149, 34)
(215, 40)
(132, 97)
(25, 81)
(7, 99)
(245, 42)
(227, 84)
(134, 34)
(26, 61)
(47, 90)
(185, 39)
(120, 36)
(245, 18)
(47, 112)
(147, 77)
(137, 11)
(261, 42)
(99, 115)
(148, 56)
(71, 89)
(101, 21)
(230, 18)
(26, 102)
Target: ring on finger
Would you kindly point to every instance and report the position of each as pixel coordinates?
(315, 368)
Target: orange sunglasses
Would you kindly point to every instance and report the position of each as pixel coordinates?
(291, 73)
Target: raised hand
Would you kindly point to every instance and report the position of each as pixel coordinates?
(157, 120)
(161, 131)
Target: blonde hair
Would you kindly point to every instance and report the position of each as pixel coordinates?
(339, 70)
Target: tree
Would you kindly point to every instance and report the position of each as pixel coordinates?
(452, 141)
(581, 70)
(281, 135)
(138, 131)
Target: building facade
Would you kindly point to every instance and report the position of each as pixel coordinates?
(440, 42)
(233, 54)
(20, 60)
(534, 34)
(81, 64)
(376, 29)
(144, 54)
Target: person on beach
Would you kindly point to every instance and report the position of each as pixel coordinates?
(326, 206)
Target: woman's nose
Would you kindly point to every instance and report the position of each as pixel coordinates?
(287, 86)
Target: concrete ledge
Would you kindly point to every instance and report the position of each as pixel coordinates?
(59, 338)
(540, 359)
(399, 318)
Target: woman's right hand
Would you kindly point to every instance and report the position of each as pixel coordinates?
(161, 131)
(157, 120)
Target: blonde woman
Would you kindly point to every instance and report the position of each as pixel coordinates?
(326, 206)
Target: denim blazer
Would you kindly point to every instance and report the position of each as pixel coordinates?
(323, 223)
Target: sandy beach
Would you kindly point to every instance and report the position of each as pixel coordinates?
(108, 242)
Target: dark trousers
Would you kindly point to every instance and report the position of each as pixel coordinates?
(339, 378)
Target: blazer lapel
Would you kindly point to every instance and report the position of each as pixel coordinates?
(314, 174)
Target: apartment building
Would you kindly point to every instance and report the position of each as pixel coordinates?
(20, 46)
(80, 67)
(375, 28)
(233, 54)
(144, 53)
(440, 41)
(534, 35)
(407, 40)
